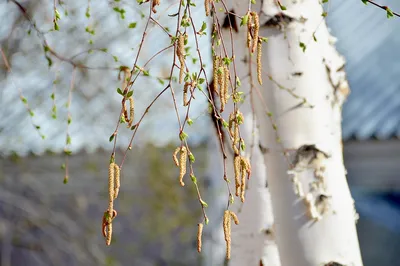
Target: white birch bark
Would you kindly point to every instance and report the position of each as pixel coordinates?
(312, 206)
(313, 209)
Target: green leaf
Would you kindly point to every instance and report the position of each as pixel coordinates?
(161, 81)
(63, 166)
(68, 141)
(130, 93)
(190, 122)
(132, 25)
(389, 12)
(87, 14)
(183, 136)
(194, 179)
(245, 19)
(205, 205)
(203, 26)
(67, 152)
(192, 158)
(111, 137)
(238, 82)
(120, 92)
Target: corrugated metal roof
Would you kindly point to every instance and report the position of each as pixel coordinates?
(370, 43)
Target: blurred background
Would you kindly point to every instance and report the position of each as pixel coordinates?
(44, 222)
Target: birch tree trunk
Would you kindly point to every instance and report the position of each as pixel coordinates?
(313, 209)
(299, 117)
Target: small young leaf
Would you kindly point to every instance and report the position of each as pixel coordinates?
(132, 25)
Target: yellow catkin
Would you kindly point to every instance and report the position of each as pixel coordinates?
(234, 217)
(174, 156)
(185, 94)
(207, 7)
(117, 180)
(247, 166)
(131, 111)
(234, 131)
(235, 138)
(111, 178)
(259, 64)
(109, 234)
(220, 71)
(236, 164)
(226, 84)
(227, 230)
(126, 77)
(256, 31)
(243, 184)
(215, 73)
(180, 51)
(249, 27)
(182, 165)
(199, 235)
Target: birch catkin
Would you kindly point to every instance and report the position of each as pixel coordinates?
(180, 52)
(111, 188)
(227, 233)
(185, 94)
(236, 163)
(249, 27)
(256, 31)
(117, 180)
(174, 156)
(199, 235)
(227, 230)
(109, 234)
(215, 73)
(182, 165)
(207, 7)
(131, 111)
(259, 64)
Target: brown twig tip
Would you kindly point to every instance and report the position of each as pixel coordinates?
(199, 235)
(154, 3)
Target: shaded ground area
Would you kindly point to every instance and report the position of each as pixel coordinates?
(44, 222)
